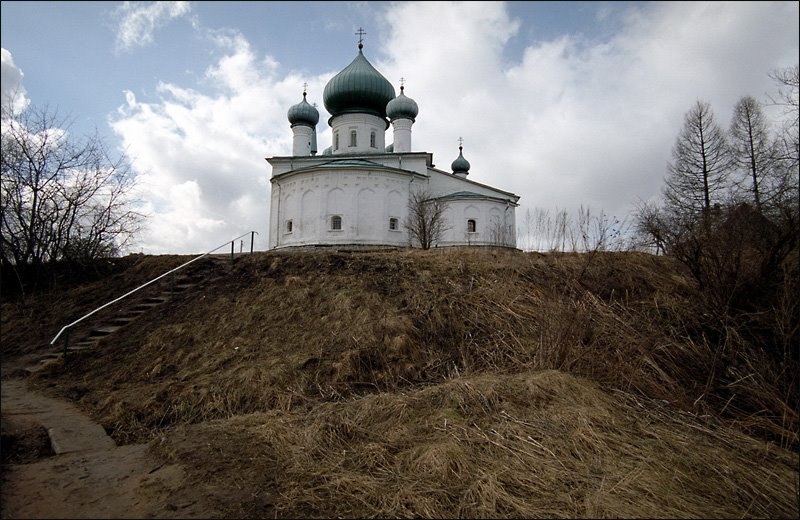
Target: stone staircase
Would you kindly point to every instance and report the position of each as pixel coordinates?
(131, 310)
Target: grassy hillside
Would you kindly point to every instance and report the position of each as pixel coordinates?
(439, 383)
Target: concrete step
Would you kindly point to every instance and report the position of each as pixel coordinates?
(81, 348)
(142, 307)
(119, 321)
(102, 332)
(87, 343)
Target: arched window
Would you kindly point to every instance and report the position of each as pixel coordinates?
(372, 139)
(393, 224)
(352, 137)
(289, 226)
(471, 225)
(336, 223)
(336, 141)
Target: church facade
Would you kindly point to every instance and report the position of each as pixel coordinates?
(358, 191)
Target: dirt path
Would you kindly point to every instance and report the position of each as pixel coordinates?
(89, 476)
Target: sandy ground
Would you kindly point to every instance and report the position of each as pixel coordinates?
(88, 476)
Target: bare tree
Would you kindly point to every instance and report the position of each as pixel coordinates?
(500, 234)
(752, 150)
(789, 98)
(528, 230)
(651, 227)
(542, 226)
(561, 230)
(787, 143)
(61, 198)
(701, 163)
(425, 222)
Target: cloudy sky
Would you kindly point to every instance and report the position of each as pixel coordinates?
(563, 103)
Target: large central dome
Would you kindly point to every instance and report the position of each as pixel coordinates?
(358, 88)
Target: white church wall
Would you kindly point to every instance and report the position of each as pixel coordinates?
(494, 219)
(365, 201)
(365, 127)
(493, 223)
(362, 202)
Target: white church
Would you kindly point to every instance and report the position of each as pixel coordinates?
(358, 191)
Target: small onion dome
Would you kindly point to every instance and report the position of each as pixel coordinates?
(402, 107)
(303, 114)
(359, 88)
(460, 165)
(328, 151)
(390, 148)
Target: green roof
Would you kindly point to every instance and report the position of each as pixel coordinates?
(402, 107)
(303, 114)
(460, 165)
(358, 88)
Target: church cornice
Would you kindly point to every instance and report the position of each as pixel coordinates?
(468, 195)
(346, 164)
(344, 155)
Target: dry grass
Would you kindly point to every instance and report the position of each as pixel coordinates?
(470, 383)
(531, 445)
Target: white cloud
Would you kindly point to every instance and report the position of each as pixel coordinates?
(578, 122)
(12, 92)
(200, 156)
(572, 122)
(139, 20)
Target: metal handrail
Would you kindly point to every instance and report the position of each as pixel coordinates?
(65, 327)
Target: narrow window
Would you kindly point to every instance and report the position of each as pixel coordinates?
(393, 224)
(372, 140)
(336, 223)
(336, 141)
(289, 226)
(352, 137)
(470, 226)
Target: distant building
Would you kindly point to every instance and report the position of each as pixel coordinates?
(357, 191)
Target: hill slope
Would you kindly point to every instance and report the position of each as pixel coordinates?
(441, 383)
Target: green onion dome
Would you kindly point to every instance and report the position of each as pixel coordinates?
(402, 107)
(460, 165)
(303, 114)
(359, 88)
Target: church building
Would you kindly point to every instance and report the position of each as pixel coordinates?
(358, 191)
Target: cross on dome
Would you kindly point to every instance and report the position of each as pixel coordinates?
(460, 142)
(360, 33)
